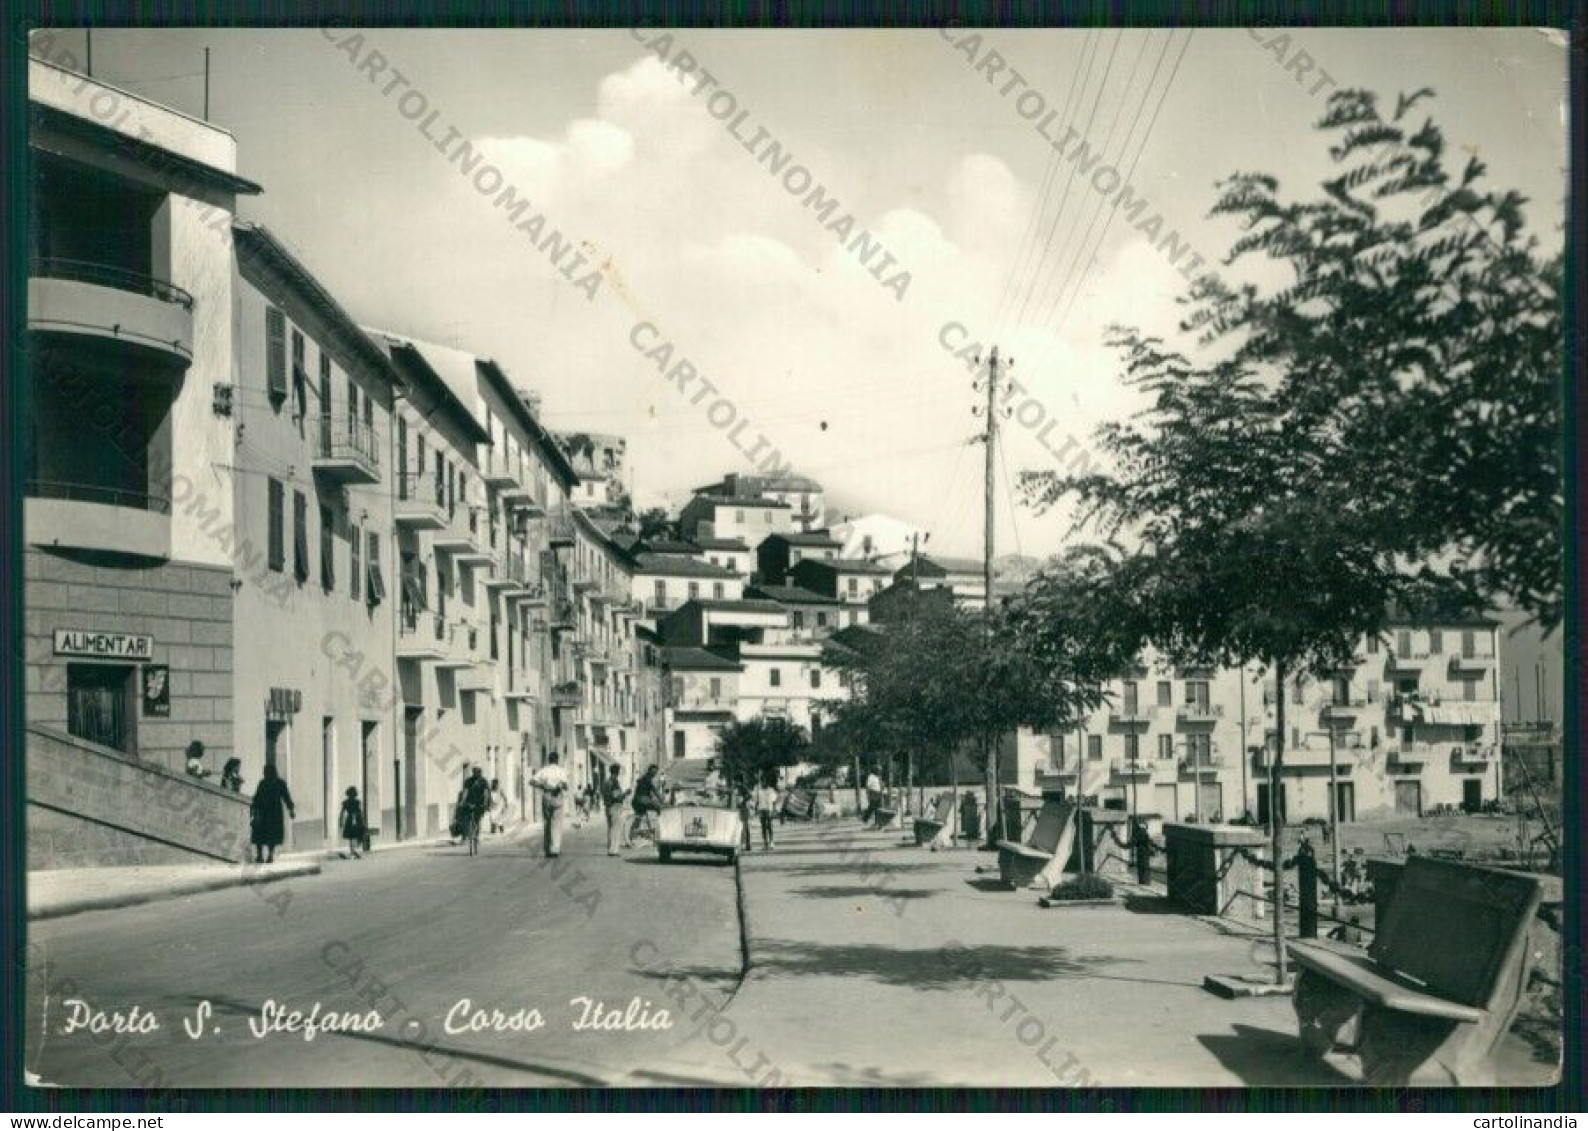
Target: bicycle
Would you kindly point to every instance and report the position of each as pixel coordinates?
(642, 827)
(471, 831)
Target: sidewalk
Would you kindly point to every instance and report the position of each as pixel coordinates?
(875, 964)
(55, 892)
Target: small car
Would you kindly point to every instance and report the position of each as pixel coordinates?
(699, 827)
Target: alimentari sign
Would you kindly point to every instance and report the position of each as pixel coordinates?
(104, 645)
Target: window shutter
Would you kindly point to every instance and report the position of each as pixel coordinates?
(300, 376)
(355, 538)
(277, 553)
(327, 547)
(300, 536)
(375, 584)
(276, 352)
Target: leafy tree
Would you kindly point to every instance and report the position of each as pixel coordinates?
(749, 750)
(654, 523)
(1391, 403)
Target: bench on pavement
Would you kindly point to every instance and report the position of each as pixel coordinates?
(929, 829)
(883, 816)
(1020, 863)
(1432, 997)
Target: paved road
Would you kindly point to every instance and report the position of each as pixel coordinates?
(407, 933)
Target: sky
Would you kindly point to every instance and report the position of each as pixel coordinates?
(843, 372)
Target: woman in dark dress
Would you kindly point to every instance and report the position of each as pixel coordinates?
(269, 830)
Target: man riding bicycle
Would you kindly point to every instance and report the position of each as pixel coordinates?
(647, 803)
(474, 801)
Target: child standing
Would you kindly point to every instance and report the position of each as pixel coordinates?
(353, 822)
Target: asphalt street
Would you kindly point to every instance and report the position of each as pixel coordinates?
(406, 934)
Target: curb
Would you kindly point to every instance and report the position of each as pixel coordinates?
(194, 887)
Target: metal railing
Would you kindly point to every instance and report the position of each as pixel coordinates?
(105, 496)
(105, 275)
(342, 438)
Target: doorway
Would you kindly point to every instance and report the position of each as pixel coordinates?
(1210, 801)
(1344, 801)
(1472, 794)
(1263, 803)
(330, 809)
(369, 748)
(1409, 798)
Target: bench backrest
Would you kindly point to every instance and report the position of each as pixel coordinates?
(1049, 827)
(1455, 926)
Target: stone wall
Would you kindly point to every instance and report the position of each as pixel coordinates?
(186, 608)
(89, 805)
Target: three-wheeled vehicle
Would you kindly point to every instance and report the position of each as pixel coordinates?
(699, 825)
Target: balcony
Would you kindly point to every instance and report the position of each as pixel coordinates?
(79, 516)
(1202, 766)
(345, 451)
(497, 473)
(570, 695)
(1475, 754)
(1408, 661)
(703, 702)
(456, 538)
(1130, 716)
(523, 500)
(559, 530)
(525, 687)
(463, 644)
(1410, 757)
(1198, 714)
(585, 584)
(561, 618)
(1312, 755)
(1472, 662)
(112, 304)
(417, 507)
(421, 636)
(1138, 769)
(1349, 707)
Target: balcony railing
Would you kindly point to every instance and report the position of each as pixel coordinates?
(1199, 712)
(1130, 716)
(560, 530)
(1202, 764)
(1131, 768)
(116, 278)
(702, 701)
(347, 447)
(104, 496)
(569, 694)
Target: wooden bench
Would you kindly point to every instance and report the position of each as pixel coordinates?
(1436, 992)
(1019, 864)
(929, 829)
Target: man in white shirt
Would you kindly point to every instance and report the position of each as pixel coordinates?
(873, 794)
(552, 781)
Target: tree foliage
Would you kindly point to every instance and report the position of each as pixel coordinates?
(1384, 421)
(750, 750)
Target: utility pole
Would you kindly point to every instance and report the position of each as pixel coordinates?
(206, 84)
(995, 816)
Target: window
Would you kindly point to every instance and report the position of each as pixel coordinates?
(1403, 643)
(1165, 693)
(660, 598)
(1372, 644)
(300, 376)
(694, 590)
(276, 541)
(1296, 692)
(738, 516)
(375, 587)
(816, 679)
(716, 687)
(100, 706)
(821, 619)
(1469, 690)
(355, 539)
(1094, 747)
(276, 354)
(327, 541)
(1436, 642)
(799, 621)
(300, 536)
(352, 401)
(1165, 747)
(854, 583)
(1132, 747)
(716, 590)
(325, 384)
(1130, 706)
(402, 457)
(776, 677)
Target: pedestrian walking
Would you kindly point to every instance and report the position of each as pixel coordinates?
(873, 795)
(552, 781)
(743, 797)
(765, 806)
(268, 826)
(232, 775)
(498, 807)
(613, 794)
(353, 822)
(474, 803)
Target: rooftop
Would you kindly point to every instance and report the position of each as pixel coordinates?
(731, 501)
(846, 565)
(721, 544)
(788, 595)
(698, 660)
(807, 538)
(677, 565)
